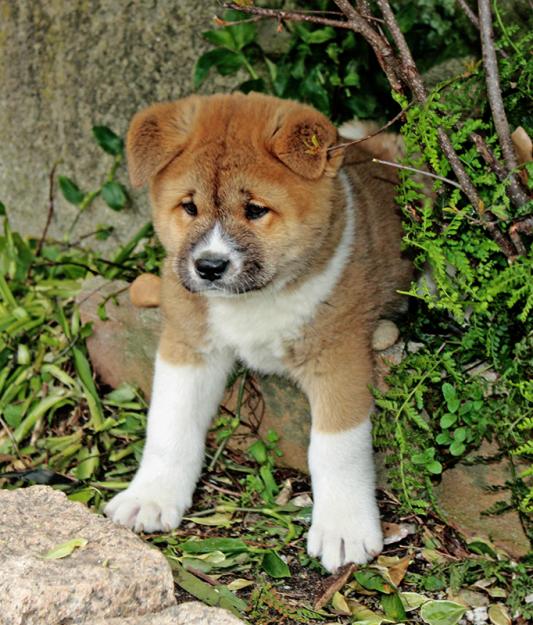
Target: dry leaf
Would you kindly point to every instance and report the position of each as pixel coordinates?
(394, 532)
(285, 493)
(396, 567)
(522, 145)
(333, 584)
(498, 615)
(339, 604)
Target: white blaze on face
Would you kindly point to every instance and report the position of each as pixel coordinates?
(217, 244)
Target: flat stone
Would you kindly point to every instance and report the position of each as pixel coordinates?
(115, 574)
(122, 348)
(191, 613)
(464, 494)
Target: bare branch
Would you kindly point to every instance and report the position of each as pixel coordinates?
(50, 209)
(514, 189)
(372, 134)
(493, 84)
(418, 171)
(524, 225)
(294, 16)
(469, 13)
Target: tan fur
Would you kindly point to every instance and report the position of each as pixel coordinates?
(229, 149)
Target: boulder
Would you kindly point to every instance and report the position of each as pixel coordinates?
(68, 66)
(112, 573)
(190, 613)
(467, 491)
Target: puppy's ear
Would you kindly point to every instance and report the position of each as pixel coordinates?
(302, 141)
(157, 135)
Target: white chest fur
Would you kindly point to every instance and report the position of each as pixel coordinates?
(257, 325)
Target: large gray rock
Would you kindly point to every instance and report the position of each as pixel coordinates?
(192, 613)
(115, 575)
(67, 66)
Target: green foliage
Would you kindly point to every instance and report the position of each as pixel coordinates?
(331, 69)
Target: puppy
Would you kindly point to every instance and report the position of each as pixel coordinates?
(280, 256)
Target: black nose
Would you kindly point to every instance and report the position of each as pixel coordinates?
(211, 268)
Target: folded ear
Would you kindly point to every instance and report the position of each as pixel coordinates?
(302, 141)
(156, 135)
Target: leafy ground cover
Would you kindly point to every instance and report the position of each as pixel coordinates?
(242, 546)
(469, 380)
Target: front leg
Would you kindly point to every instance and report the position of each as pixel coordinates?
(185, 397)
(345, 524)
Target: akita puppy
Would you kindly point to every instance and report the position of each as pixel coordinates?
(283, 252)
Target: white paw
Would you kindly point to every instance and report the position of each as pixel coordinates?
(146, 508)
(338, 539)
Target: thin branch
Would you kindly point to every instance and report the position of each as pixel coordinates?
(469, 13)
(418, 171)
(293, 16)
(524, 225)
(493, 84)
(50, 214)
(514, 189)
(372, 134)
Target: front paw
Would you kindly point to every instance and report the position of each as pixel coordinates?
(339, 537)
(146, 508)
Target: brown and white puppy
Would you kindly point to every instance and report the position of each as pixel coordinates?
(281, 258)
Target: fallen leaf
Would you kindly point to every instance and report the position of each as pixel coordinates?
(469, 598)
(339, 604)
(240, 583)
(498, 615)
(219, 519)
(396, 567)
(333, 584)
(442, 612)
(65, 549)
(285, 493)
(394, 532)
(412, 600)
(522, 145)
(393, 607)
(365, 615)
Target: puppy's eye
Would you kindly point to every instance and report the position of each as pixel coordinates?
(190, 208)
(255, 211)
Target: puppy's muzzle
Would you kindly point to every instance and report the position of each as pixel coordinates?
(211, 268)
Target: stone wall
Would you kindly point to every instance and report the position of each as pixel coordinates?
(67, 65)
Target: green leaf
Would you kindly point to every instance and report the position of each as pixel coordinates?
(70, 190)
(450, 396)
(442, 612)
(218, 596)
(393, 607)
(447, 420)
(2, 209)
(258, 451)
(225, 61)
(108, 140)
(88, 463)
(412, 600)
(65, 549)
(226, 545)
(373, 581)
(221, 37)
(114, 195)
(274, 565)
(457, 448)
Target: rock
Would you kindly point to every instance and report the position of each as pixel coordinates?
(385, 335)
(192, 613)
(123, 347)
(464, 495)
(89, 63)
(115, 574)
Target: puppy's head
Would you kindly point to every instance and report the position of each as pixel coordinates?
(240, 185)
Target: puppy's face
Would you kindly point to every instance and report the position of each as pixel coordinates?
(240, 185)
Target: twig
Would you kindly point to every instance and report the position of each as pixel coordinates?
(514, 189)
(524, 225)
(51, 196)
(469, 13)
(294, 16)
(493, 84)
(418, 171)
(372, 134)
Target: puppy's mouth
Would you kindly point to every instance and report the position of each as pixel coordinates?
(217, 264)
(235, 284)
